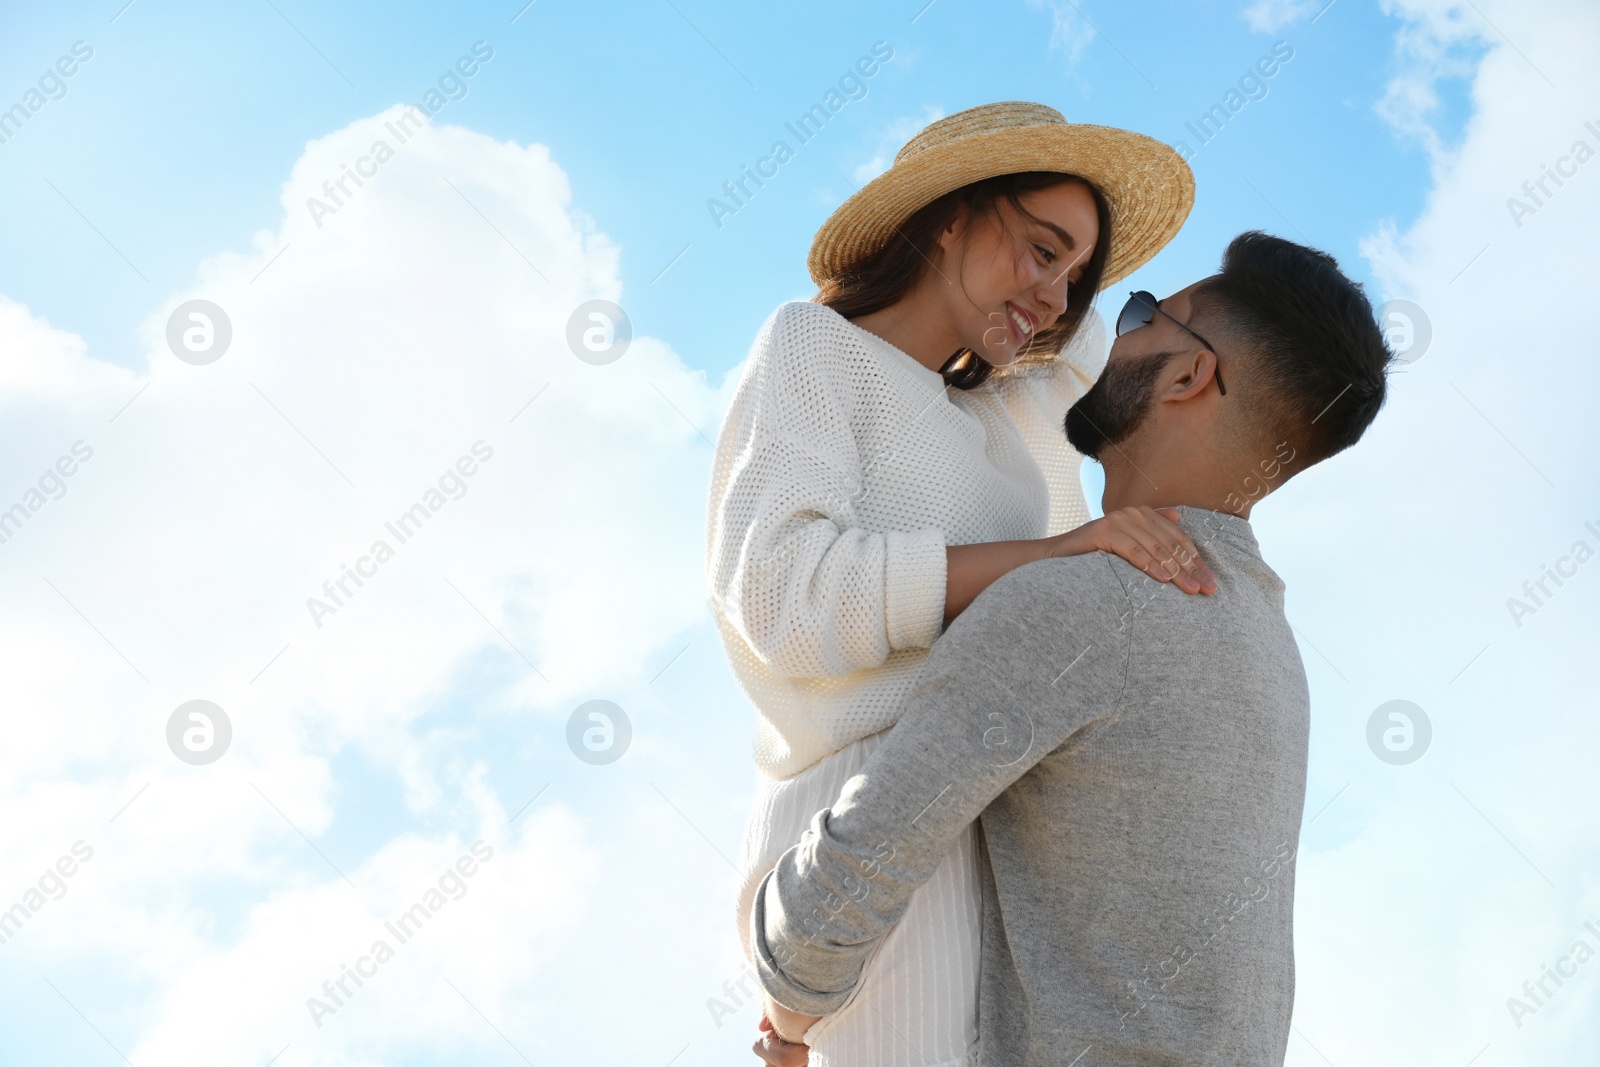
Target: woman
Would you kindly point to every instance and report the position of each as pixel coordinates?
(894, 446)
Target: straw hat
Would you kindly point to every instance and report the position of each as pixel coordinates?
(1148, 185)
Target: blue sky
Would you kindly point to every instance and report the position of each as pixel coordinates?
(372, 748)
(174, 139)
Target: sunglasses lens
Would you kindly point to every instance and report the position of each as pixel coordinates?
(1137, 312)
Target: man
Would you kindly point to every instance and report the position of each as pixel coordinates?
(1137, 756)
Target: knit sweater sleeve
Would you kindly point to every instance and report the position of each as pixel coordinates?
(811, 592)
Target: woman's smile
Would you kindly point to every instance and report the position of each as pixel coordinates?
(1023, 323)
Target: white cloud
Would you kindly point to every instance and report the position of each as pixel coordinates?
(892, 138)
(1270, 16)
(1070, 29)
(1429, 893)
(1436, 41)
(372, 347)
(406, 327)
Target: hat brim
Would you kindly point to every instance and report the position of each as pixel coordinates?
(1148, 186)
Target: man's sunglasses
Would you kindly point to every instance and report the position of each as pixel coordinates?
(1141, 308)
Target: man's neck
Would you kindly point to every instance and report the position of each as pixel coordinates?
(1148, 482)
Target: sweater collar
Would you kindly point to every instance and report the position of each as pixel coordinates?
(1204, 525)
(895, 356)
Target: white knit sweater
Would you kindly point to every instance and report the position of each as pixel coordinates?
(842, 470)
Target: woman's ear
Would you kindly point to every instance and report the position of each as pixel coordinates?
(956, 227)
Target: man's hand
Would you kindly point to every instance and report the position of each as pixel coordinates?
(777, 1052)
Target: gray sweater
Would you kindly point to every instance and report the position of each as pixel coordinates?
(1137, 756)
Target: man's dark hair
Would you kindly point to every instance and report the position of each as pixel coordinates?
(1315, 358)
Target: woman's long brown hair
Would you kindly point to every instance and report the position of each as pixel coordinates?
(882, 278)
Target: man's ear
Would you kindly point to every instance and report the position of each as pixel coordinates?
(1188, 375)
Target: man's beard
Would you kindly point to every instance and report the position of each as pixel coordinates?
(1116, 405)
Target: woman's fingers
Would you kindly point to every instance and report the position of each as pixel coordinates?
(1176, 551)
(775, 1050)
(780, 1053)
(1158, 561)
(1154, 543)
(1148, 538)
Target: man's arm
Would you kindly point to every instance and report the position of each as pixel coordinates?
(1041, 653)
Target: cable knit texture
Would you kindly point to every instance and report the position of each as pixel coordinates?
(842, 470)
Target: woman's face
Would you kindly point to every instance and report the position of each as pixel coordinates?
(1010, 273)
